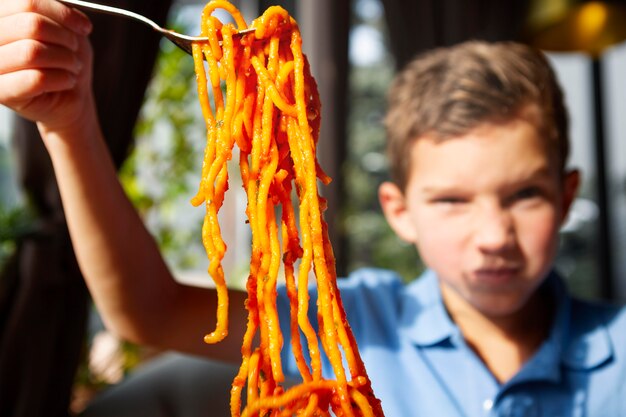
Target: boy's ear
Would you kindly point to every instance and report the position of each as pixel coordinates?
(393, 203)
(570, 190)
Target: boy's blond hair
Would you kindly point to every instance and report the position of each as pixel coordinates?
(447, 92)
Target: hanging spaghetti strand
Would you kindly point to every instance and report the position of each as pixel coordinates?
(259, 94)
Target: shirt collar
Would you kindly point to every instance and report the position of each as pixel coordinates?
(424, 319)
(578, 335)
(588, 344)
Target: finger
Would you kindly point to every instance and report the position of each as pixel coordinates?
(38, 27)
(19, 88)
(30, 54)
(67, 17)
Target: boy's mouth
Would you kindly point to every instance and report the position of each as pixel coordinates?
(501, 274)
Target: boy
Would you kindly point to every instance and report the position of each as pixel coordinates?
(478, 143)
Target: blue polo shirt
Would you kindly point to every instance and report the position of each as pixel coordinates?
(420, 365)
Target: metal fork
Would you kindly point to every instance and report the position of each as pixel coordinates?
(181, 40)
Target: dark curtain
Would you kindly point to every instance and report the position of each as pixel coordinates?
(417, 25)
(43, 299)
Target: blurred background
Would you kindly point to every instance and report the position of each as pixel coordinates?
(354, 48)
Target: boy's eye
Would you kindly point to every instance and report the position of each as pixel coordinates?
(449, 200)
(527, 193)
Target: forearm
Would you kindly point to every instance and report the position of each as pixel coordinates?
(115, 252)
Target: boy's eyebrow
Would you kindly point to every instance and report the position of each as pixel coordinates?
(542, 171)
(440, 188)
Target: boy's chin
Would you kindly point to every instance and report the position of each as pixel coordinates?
(489, 303)
(501, 305)
(499, 309)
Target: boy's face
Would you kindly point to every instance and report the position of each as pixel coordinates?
(484, 211)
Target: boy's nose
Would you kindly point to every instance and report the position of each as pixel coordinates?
(495, 231)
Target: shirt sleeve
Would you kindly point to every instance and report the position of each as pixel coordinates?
(370, 298)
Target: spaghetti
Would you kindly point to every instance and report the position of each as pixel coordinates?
(270, 108)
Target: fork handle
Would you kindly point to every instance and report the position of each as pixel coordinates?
(111, 10)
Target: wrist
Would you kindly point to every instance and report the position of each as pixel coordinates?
(76, 132)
